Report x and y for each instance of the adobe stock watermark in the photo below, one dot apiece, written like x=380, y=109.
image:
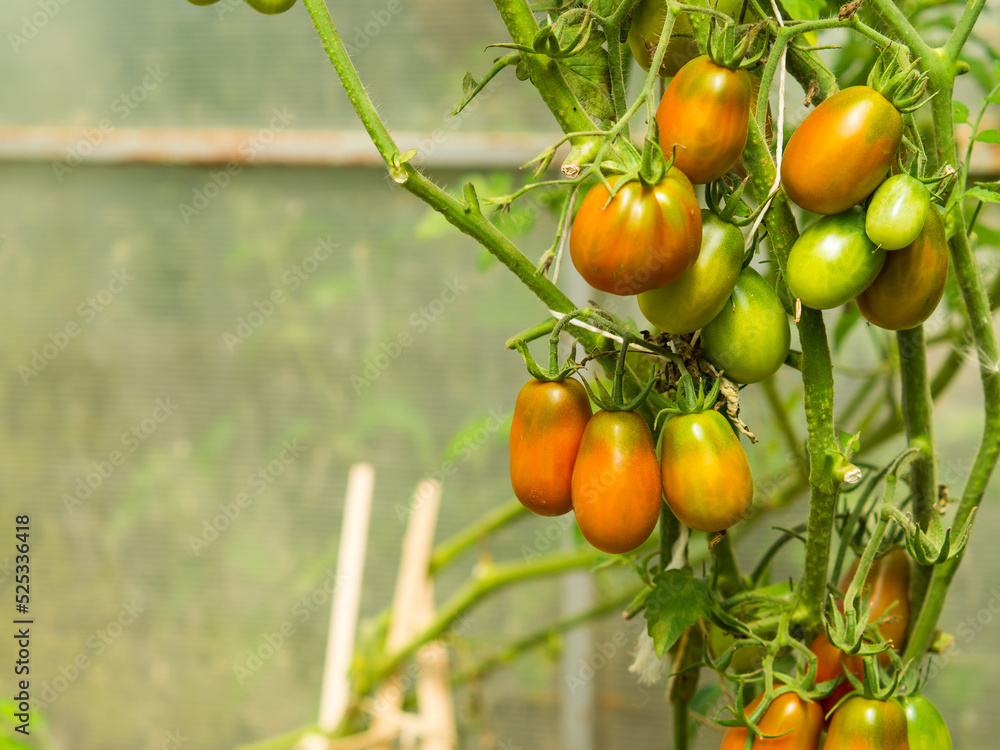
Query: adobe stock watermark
x=301, y=612
x=466, y=448
x=32, y=25
x=292, y=278
x=249, y=148
x=419, y=322
x=258, y=481
x=123, y=106
x=602, y=655
x=87, y=312
x=171, y=740
x=131, y=440
x=96, y=644
x=966, y=632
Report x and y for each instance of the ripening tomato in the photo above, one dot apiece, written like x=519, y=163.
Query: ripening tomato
x=616, y=482
x=749, y=339
x=704, y=112
x=545, y=434
x=841, y=151
x=698, y=296
x=270, y=7
x=926, y=727
x=801, y=719
x=911, y=283
x=862, y=724
x=706, y=474
x=831, y=663
x=897, y=211
x=645, y=238
x=888, y=584
x=833, y=261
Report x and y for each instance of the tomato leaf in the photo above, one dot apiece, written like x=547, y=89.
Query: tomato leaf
x=988, y=136
x=961, y=112
x=676, y=603
x=983, y=194
x=589, y=76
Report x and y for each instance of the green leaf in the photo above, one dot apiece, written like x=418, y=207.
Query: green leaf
x=589, y=76
x=986, y=196
x=803, y=10
x=988, y=136
x=961, y=112
x=996, y=68
x=676, y=603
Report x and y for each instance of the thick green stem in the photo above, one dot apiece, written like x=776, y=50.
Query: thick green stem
x=452, y=547
x=817, y=380
x=918, y=418
x=545, y=74
x=942, y=76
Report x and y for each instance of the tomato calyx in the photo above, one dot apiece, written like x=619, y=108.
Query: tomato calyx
x=688, y=401
x=899, y=82
x=615, y=400
x=726, y=51
x=727, y=202
x=555, y=372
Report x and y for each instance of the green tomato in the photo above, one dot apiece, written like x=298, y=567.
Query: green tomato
x=925, y=725
x=862, y=723
x=833, y=261
x=897, y=212
x=203, y=2
x=270, y=7
x=749, y=339
x=745, y=659
x=698, y=296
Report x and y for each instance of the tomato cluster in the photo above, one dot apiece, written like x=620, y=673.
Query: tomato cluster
x=605, y=468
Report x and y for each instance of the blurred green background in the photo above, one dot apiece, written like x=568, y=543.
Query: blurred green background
x=143, y=385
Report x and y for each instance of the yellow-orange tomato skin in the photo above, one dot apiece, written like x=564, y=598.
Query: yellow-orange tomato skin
x=705, y=472
x=911, y=283
x=643, y=239
x=705, y=112
x=545, y=434
x=616, y=482
x=802, y=720
x=862, y=724
x=841, y=151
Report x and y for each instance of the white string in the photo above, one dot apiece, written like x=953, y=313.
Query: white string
x=606, y=334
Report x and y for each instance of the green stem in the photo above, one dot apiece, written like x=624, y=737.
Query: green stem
x=918, y=418
x=544, y=635
x=727, y=569
x=898, y=22
x=545, y=74
x=792, y=441
x=817, y=380
x=941, y=73
x=680, y=716
x=963, y=28
x=479, y=529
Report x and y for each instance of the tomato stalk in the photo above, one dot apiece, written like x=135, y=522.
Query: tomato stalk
x=918, y=419
x=817, y=380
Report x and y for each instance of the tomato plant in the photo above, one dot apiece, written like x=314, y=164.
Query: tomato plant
x=841, y=151
x=926, y=728
x=833, y=261
x=704, y=114
x=642, y=238
x=862, y=723
x=698, y=296
x=633, y=226
x=910, y=285
x=799, y=722
x=897, y=211
x=545, y=433
x=749, y=339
